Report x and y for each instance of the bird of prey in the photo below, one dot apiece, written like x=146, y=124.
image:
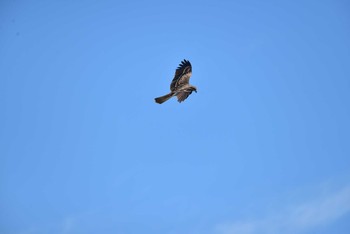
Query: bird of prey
x=180, y=86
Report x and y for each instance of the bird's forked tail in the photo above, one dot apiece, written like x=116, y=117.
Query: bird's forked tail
x=164, y=98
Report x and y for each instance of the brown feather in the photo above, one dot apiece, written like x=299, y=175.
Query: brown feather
x=182, y=75
x=164, y=98
x=180, y=86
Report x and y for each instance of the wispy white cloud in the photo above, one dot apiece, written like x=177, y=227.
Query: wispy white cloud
x=295, y=219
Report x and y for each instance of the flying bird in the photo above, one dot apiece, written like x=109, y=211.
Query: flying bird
x=180, y=86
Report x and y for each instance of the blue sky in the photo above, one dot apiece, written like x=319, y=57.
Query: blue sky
x=263, y=147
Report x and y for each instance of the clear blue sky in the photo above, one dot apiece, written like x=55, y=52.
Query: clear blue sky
x=263, y=147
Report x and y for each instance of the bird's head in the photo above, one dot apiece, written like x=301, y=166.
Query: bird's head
x=194, y=88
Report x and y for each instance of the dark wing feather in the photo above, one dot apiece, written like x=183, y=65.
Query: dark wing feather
x=182, y=75
x=182, y=95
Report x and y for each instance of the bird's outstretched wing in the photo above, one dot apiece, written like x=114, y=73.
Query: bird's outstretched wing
x=183, y=94
x=182, y=75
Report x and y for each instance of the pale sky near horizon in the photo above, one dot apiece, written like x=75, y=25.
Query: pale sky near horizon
x=263, y=147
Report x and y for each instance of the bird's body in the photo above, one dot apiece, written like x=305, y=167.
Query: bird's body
x=180, y=86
